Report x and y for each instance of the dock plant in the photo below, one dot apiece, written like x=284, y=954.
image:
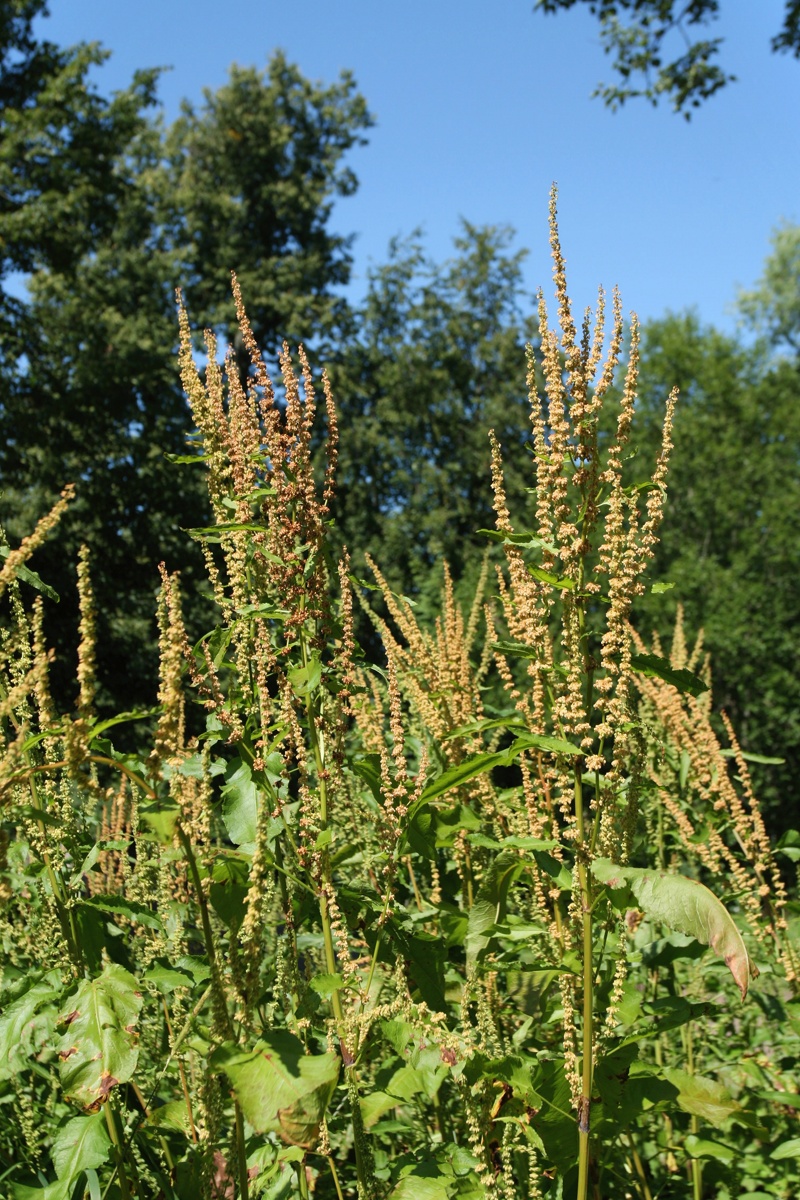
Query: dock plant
x=479, y=919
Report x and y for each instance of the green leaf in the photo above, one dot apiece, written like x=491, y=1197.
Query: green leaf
x=166, y=979
x=789, y=844
x=790, y=1149
x=186, y=458
x=172, y=1115
x=490, y=903
x=661, y=586
x=543, y=741
x=515, y=649
x=697, y=1147
x=512, y=721
x=702, y=1097
x=326, y=985
x=375, y=1105
x=305, y=680
x=240, y=803
x=30, y=1013
x=686, y=906
x=563, y=582
x=518, y=539
x=454, y=777
x=754, y=758
x=653, y=666
x=99, y=1050
x=419, y=1187
x=30, y=577
x=81, y=1144
x=120, y=907
x=281, y=1089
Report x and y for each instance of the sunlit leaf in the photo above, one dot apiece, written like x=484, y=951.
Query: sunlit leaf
x=686, y=906
x=281, y=1089
x=99, y=1049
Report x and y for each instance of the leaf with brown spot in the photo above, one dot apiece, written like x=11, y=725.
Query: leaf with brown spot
x=99, y=1050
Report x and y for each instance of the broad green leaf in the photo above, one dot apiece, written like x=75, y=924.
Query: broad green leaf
x=172, y=1115
x=686, y=906
x=790, y=1149
x=305, y=680
x=419, y=1187
x=375, y=1105
x=240, y=804
x=697, y=1147
x=326, y=985
x=281, y=1089
x=702, y=1097
x=789, y=844
x=661, y=586
x=83, y=1143
x=30, y=577
x=99, y=1050
x=518, y=539
x=140, y=914
x=166, y=979
x=28, y=1014
x=653, y=666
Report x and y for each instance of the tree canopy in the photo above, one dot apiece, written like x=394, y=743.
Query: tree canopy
x=105, y=211
x=641, y=35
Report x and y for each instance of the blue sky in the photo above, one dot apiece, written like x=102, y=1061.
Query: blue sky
x=481, y=104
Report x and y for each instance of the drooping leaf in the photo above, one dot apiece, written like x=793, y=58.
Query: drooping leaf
x=684, y=680
x=765, y=759
x=99, y=1049
x=687, y=907
x=419, y=1187
x=281, y=1089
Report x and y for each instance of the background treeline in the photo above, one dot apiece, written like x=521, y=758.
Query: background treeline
x=105, y=208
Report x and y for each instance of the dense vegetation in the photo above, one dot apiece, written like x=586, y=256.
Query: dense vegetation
x=426, y=834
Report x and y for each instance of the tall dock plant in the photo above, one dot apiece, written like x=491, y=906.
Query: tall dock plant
x=384, y=931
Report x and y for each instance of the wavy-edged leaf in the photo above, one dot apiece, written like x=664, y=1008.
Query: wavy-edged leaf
x=281, y=1089
x=80, y=1145
x=99, y=1049
x=655, y=667
x=686, y=906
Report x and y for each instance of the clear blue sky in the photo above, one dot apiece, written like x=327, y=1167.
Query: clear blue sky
x=480, y=104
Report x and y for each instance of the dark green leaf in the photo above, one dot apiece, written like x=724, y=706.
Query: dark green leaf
x=659, y=668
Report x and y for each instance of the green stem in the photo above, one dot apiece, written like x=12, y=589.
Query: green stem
x=585, y=1102
x=241, y=1153
x=113, y=1132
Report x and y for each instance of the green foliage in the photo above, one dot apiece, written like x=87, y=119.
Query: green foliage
x=637, y=33
x=438, y=361
x=729, y=543
x=104, y=209
x=353, y=930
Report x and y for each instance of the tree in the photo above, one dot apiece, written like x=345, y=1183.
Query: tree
x=773, y=306
x=438, y=361
x=729, y=538
x=106, y=213
x=638, y=43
